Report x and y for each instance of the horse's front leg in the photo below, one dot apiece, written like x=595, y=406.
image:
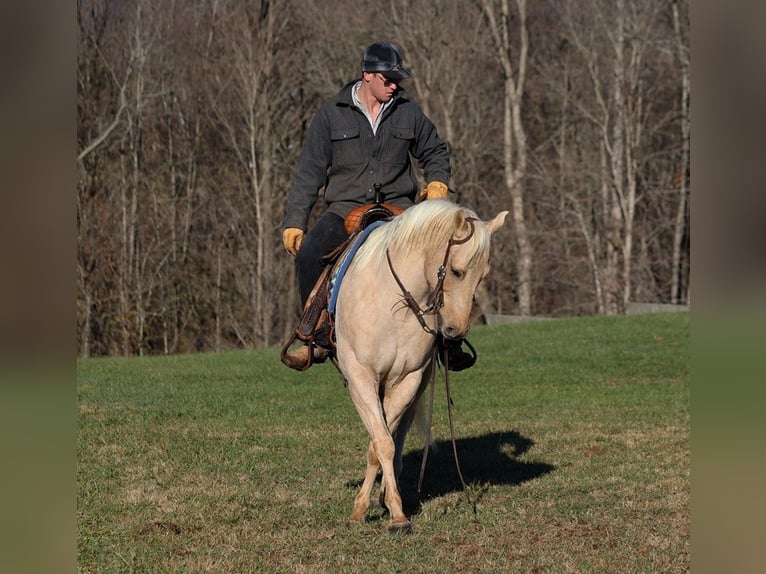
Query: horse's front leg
x=399, y=406
x=392, y=499
x=367, y=403
x=399, y=435
x=404, y=422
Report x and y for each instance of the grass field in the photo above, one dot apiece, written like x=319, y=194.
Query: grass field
x=573, y=435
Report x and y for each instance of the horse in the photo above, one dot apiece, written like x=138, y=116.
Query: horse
x=413, y=279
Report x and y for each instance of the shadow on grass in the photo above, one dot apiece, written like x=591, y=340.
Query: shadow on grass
x=490, y=459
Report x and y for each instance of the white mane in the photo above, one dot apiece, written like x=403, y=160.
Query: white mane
x=428, y=223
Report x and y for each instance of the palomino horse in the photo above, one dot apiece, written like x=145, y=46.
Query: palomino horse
x=413, y=278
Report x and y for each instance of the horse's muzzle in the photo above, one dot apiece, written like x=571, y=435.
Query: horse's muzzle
x=454, y=333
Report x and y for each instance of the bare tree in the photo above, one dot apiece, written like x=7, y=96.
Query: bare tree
x=612, y=47
x=191, y=117
x=681, y=213
x=450, y=65
x=500, y=21
x=251, y=102
x=182, y=129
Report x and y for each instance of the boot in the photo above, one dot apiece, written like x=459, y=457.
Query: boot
x=300, y=358
x=457, y=358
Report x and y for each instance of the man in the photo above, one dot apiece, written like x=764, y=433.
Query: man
x=366, y=135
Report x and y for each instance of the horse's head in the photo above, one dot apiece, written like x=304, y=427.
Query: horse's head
x=436, y=252
x=467, y=263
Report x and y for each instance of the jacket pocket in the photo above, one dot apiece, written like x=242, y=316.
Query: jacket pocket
x=346, y=149
x=397, y=146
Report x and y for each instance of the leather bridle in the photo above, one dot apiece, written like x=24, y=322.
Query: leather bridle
x=435, y=300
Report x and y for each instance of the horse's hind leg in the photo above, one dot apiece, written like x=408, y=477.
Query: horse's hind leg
x=362, y=500
x=402, y=428
x=400, y=435
x=390, y=497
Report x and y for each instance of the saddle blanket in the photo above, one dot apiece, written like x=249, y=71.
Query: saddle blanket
x=340, y=271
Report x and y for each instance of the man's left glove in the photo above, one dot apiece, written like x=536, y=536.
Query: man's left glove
x=435, y=190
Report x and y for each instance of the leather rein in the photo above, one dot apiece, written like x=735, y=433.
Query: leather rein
x=435, y=302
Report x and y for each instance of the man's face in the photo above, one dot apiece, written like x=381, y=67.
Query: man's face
x=383, y=88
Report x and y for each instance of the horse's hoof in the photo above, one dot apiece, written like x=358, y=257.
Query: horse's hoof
x=401, y=527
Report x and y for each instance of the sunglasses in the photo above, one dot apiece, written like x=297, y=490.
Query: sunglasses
x=387, y=81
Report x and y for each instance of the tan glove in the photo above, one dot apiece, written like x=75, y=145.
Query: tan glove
x=292, y=237
x=435, y=190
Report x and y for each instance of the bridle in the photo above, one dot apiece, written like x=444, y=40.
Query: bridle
x=435, y=300
x=434, y=303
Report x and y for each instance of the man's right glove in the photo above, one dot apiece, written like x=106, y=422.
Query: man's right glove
x=435, y=190
x=292, y=237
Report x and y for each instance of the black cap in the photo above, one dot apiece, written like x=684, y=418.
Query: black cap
x=385, y=58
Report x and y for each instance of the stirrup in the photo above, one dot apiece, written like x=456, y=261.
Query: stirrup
x=453, y=357
x=315, y=329
x=301, y=358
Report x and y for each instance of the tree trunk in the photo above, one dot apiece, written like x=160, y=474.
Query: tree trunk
x=514, y=137
x=680, y=220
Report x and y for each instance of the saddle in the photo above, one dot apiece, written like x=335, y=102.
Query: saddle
x=316, y=327
x=361, y=217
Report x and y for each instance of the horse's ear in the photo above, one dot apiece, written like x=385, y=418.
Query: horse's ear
x=462, y=226
x=496, y=223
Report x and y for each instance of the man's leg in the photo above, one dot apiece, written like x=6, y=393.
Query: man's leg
x=325, y=236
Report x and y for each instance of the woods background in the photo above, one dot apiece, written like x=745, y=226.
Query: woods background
x=574, y=115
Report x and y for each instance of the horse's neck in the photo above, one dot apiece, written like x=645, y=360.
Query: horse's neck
x=416, y=272
x=374, y=324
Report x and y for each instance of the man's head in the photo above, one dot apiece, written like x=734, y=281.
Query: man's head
x=385, y=59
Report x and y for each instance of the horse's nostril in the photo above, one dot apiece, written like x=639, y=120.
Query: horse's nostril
x=451, y=333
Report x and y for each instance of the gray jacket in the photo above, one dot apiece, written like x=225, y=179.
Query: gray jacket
x=342, y=155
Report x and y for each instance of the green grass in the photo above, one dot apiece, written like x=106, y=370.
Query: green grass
x=573, y=436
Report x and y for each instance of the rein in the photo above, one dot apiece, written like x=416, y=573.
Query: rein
x=427, y=446
x=435, y=302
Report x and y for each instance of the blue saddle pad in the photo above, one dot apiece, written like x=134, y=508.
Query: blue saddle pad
x=337, y=276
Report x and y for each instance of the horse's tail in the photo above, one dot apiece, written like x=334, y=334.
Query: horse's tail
x=423, y=416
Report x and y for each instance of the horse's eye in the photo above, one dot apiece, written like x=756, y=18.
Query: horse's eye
x=456, y=273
